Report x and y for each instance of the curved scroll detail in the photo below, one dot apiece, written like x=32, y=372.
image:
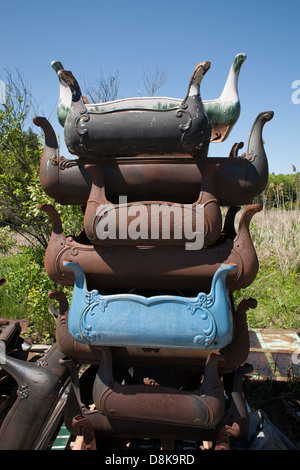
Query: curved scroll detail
x=222, y=112
x=234, y=354
x=203, y=407
x=133, y=320
x=79, y=124
x=40, y=386
x=135, y=129
x=237, y=182
x=184, y=127
x=171, y=268
x=160, y=222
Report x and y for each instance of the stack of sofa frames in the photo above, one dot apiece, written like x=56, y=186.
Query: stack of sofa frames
x=158, y=259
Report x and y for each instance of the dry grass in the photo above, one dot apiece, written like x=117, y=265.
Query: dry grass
x=276, y=236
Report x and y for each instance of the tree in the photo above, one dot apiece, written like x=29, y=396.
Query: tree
x=106, y=89
x=20, y=153
x=19, y=160
x=103, y=89
x=153, y=81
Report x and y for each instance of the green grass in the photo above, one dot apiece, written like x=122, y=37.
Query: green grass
x=25, y=293
x=277, y=296
x=276, y=237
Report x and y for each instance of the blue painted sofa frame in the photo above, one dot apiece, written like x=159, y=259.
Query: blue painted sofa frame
x=164, y=321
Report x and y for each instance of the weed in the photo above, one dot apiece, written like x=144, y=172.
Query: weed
x=276, y=237
x=25, y=294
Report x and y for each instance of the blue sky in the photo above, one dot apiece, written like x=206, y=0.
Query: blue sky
x=129, y=36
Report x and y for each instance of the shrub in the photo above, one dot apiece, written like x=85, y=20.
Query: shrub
x=275, y=234
x=25, y=294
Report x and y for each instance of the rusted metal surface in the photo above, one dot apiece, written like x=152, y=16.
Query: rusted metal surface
x=274, y=353
x=277, y=340
x=149, y=370
x=231, y=424
x=236, y=353
x=40, y=385
x=203, y=408
x=30, y=388
x=151, y=214
x=9, y=332
x=237, y=182
x=203, y=411
x=236, y=417
x=229, y=430
x=83, y=427
x=158, y=267
x=88, y=422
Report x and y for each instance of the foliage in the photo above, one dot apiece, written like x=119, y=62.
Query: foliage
x=275, y=234
x=20, y=190
x=277, y=298
x=282, y=191
x=6, y=240
x=19, y=162
x=25, y=293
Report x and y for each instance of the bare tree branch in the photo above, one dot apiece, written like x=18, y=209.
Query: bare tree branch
x=106, y=89
x=103, y=89
x=153, y=81
x=19, y=95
